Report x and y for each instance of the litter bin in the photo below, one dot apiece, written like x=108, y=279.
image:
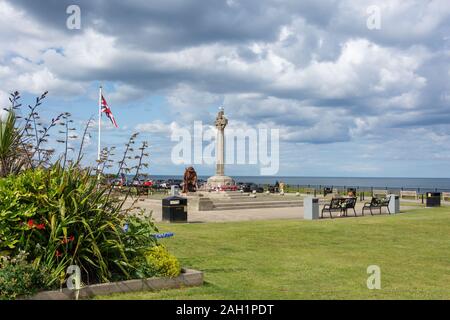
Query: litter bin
x=394, y=203
x=311, y=208
x=174, y=209
x=433, y=199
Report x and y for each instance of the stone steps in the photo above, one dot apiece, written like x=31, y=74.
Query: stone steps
x=227, y=195
x=232, y=200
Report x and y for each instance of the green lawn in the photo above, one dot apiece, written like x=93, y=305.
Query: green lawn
x=326, y=259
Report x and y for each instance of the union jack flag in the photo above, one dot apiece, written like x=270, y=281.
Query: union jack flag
x=108, y=112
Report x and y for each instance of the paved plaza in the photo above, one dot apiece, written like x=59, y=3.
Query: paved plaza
x=247, y=214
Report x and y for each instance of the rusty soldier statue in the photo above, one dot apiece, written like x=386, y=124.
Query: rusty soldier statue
x=190, y=180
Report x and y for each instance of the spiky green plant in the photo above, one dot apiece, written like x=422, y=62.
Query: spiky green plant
x=12, y=155
x=60, y=213
x=60, y=216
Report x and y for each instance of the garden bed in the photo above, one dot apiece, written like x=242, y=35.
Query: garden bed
x=187, y=278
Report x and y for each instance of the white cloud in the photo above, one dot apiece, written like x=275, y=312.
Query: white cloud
x=312, y=69
x=157, y=127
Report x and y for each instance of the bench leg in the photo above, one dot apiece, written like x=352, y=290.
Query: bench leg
x=331, y=216
x=354, y=211
x=371, y=213
x=389, y=211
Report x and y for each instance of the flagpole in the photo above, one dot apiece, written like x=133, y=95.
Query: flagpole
x=99, y=127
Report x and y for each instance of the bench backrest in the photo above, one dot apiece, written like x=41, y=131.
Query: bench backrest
x=384, y=201
x=335, y=203
x=408, y=193
x=380, y=193
x=350, y=203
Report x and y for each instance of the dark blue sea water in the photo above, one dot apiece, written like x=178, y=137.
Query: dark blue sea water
x=441, y=184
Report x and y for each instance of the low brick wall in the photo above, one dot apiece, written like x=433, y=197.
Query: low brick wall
x=187, y=278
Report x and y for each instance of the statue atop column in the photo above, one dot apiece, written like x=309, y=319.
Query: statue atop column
x=220, y=179
x=221, y=120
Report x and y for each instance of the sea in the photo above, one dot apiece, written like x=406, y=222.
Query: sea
x=421, y=184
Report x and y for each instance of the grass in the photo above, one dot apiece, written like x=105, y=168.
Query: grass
x=326, y=259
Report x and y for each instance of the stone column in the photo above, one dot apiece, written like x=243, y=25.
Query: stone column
x=220, y=154
x=220, y=179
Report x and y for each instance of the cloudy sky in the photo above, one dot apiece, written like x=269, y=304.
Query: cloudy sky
x=348, y=100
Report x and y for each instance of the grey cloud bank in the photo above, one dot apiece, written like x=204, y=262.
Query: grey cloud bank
x=311, y=68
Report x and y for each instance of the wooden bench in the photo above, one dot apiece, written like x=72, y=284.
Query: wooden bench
x=408, y=193
x=350, y=203
x=334, y=205
x=380, y=193
x=333, y=193
x=445, y=195
x=341, y=205
x=376, y=203
x=327, y=191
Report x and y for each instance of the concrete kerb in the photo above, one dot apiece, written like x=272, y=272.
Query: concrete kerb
x=187, y=278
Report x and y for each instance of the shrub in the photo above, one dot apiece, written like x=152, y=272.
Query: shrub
x=61, y=214
x=156, y=262
x=20, y=278
x=63, y=217
x=161, y=262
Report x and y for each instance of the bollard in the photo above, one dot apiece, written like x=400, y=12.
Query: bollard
x=311, y=208
x=174, y=191
x=394, y=204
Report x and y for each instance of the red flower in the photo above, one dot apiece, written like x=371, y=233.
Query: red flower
x=58, y=254
x=30, y=223
x=40, y=226
x=67, y=240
